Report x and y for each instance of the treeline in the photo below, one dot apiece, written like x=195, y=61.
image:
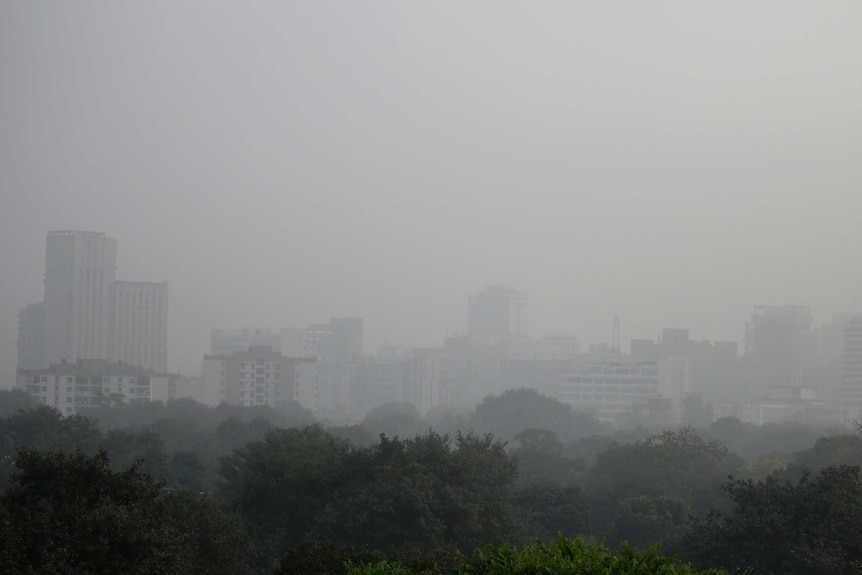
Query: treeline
x=234, y=490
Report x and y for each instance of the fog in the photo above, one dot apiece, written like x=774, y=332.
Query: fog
x=669, y=163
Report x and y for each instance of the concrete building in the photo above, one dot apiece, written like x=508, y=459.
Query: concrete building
x=339, y=341
x=31, y=337
x=832, y=356
x=229, y=341
x=80, y=269
x=422, y=378
x=610, y=390
x=852, y=362
x=141, y=324
x=257, y=376
x=497, y=312
x=87, y=314
x=398, y=375
x=780, y=350
x=674, y=383
x=86, y=384
x=555, y=347
x=712, y=369
x=378, y=383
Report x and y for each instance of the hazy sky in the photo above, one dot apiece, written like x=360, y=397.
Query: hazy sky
x=672, y=163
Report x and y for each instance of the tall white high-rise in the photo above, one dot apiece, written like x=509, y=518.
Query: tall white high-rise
x=80, y=270
x=88, y=315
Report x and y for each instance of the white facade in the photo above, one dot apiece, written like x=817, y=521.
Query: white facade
x=74, y=388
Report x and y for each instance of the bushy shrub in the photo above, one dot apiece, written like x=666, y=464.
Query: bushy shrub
x=562, y=557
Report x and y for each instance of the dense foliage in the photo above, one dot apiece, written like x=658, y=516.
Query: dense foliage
x=178, y=487
x=562, y=557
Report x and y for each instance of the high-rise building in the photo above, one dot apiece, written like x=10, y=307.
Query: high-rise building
x=228, y=341
x=80, y=269
x=780, y=349
x=141, y=325
x=852, y=378
x=339, y=341
x=31, y=337
x=497, y=312
x=87, y=314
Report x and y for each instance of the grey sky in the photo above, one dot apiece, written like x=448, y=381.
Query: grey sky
x=673, y=163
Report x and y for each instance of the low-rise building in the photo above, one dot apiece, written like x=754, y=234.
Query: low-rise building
x=258, y=376
x=73, y=388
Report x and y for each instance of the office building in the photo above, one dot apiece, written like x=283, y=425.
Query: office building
x=610, y=390
x=339, y=341
x=80, y=270
x=31, y=337
x=852, y=361
x=141, y=324
x=87, y=314
x=780, y=350
x=228, y=341
x=497, y=312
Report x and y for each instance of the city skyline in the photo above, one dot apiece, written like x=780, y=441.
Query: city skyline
x=182, y=359
x=287, y=164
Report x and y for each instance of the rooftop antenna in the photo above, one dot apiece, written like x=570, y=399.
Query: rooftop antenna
x=615, y=342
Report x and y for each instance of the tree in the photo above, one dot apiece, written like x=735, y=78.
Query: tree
x=71, y=513
x=550, y=510
x=543, y=460
x=513, y=411
x=44, y=427
x=428, y=492
x=811, y=526
x=679, y=464
x=14, y=400
x=283, y=482
x=644, y=521
x=831, y=451
x=696, y=412
x=208, y=539
x=400, y=419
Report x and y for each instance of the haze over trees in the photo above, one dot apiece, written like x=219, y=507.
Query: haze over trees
x=230, y=490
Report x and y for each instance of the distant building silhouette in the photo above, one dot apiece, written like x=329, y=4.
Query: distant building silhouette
x=87, y=314
x=497, y=312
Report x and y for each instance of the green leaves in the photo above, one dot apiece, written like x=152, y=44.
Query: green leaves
x=428, y=492
x=71, y=513
x=811, y=526
x=572, y=557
